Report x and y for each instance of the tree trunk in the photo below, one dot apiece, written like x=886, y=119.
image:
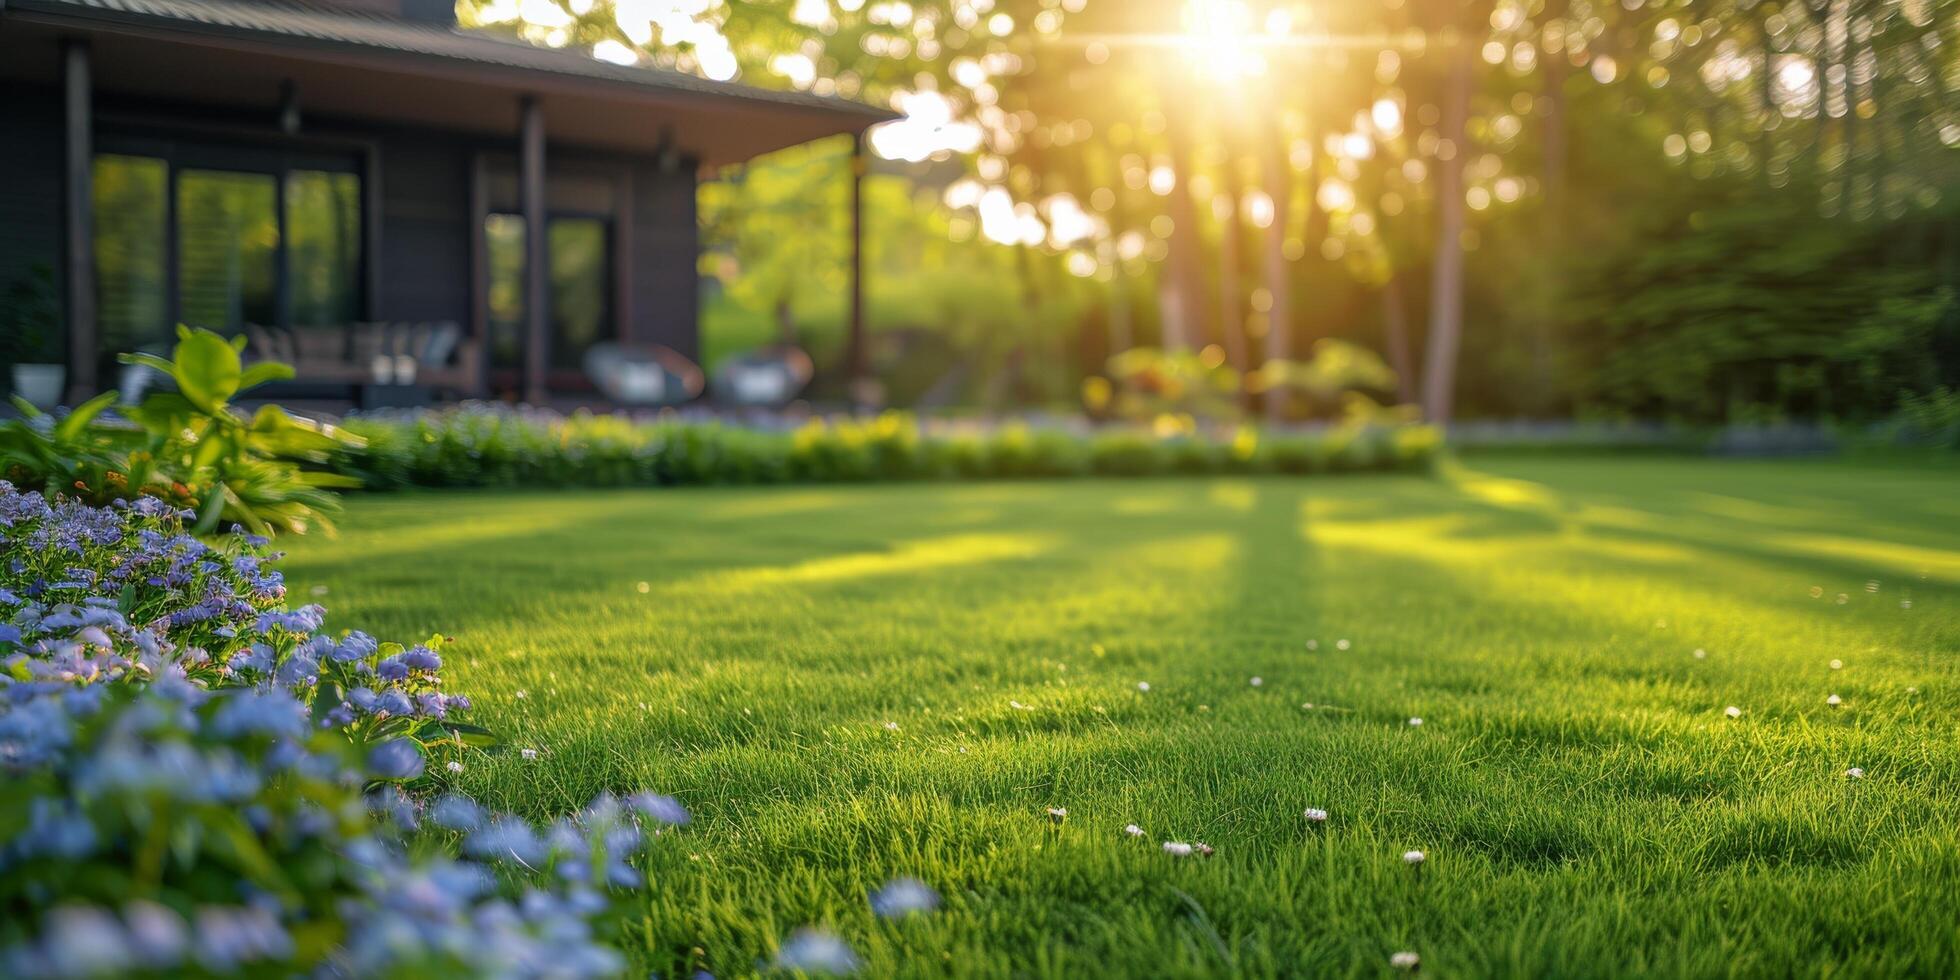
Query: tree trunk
x=1231, y=286
x=1395, y=328
x=1546, y=325
x=1446, y=287
x=1279, y=281
x=1186, y=272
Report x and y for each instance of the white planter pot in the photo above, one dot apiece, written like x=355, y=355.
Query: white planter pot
x=40, y=384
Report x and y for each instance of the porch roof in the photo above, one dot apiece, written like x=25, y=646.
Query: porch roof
x=388, y=68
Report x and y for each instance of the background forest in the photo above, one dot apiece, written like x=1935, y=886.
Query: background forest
x=1697, y=211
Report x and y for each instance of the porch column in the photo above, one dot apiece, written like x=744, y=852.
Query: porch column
x=77, y=197
x=537, y=302
x=859, y=380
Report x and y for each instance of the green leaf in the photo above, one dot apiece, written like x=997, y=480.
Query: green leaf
x=212, y=509
x=149, y=361
x=263, y=372
x=207, y=370
x=474, y=736
x=71, y=427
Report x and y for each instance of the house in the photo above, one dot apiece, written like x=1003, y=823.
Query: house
x=310, y=170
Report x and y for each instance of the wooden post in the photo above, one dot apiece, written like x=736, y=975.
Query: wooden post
x=78, y=193
x=860, y=379
x=537, y=301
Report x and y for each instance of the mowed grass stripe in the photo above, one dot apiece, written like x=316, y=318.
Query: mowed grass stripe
x=1586, y=806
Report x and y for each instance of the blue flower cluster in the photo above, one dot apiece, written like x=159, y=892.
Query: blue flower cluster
x=200, y=780
x=120, y=593
x=170, y=828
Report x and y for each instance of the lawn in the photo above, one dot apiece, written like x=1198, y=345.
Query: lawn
x=852, y=683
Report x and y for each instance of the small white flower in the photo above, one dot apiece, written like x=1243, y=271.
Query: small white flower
x=1057, y=814
x=1837, y=664
x=528, y=753
x=644, y=588
x=1018, y=706
x=1316, y=815
x=1405, y=960
x=816, y=951
x=454, y=766
x=1701, y=654
x=1177, y=848
x=904, y=896
x=521, y=695
x=1414, y=857
x=1133, y=830
x=1340, y=644
x=1834, y=700
x=1732, y=711
x=1256, y=681
x=1415, y=723
x=1143, y=686
x=891, y=726
x=1854, y=773
x=1313, y=644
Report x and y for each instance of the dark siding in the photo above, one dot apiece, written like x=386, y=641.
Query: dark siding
x=425, y=231
x=666, y=287
x=30, y=185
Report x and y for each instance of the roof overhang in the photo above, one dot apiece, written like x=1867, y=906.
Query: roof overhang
x=231, y=54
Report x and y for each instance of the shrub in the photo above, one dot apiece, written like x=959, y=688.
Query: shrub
x=484, y=446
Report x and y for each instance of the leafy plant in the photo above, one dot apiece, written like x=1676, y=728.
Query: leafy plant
x=188, y=446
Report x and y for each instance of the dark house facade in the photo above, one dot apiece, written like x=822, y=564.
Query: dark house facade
x=346, y=179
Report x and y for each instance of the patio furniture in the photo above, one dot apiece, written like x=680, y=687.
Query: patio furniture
x=380, y=363
x=769, y=377
x=642, y=374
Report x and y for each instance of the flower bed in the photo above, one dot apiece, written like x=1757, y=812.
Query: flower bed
x=485, y=446
x=201, y=780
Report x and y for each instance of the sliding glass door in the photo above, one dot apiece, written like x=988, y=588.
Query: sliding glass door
x=578, y=263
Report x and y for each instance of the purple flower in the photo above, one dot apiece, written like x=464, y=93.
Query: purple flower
x=421, y=658
x=396, y=759
x=665, y=809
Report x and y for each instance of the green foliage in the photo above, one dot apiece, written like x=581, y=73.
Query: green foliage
x=189, y=446
x=1931, y=419
x=479, y=447
x=1756, y=311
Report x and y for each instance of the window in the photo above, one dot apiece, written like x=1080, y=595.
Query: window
x=579, y=260
x=581, y=279
x=221, y=238
x=323, y=247
x=131, y=264
x=504, y=242
x=227, y=249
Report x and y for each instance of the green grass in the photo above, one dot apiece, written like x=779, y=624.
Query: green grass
x=1586, y=806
